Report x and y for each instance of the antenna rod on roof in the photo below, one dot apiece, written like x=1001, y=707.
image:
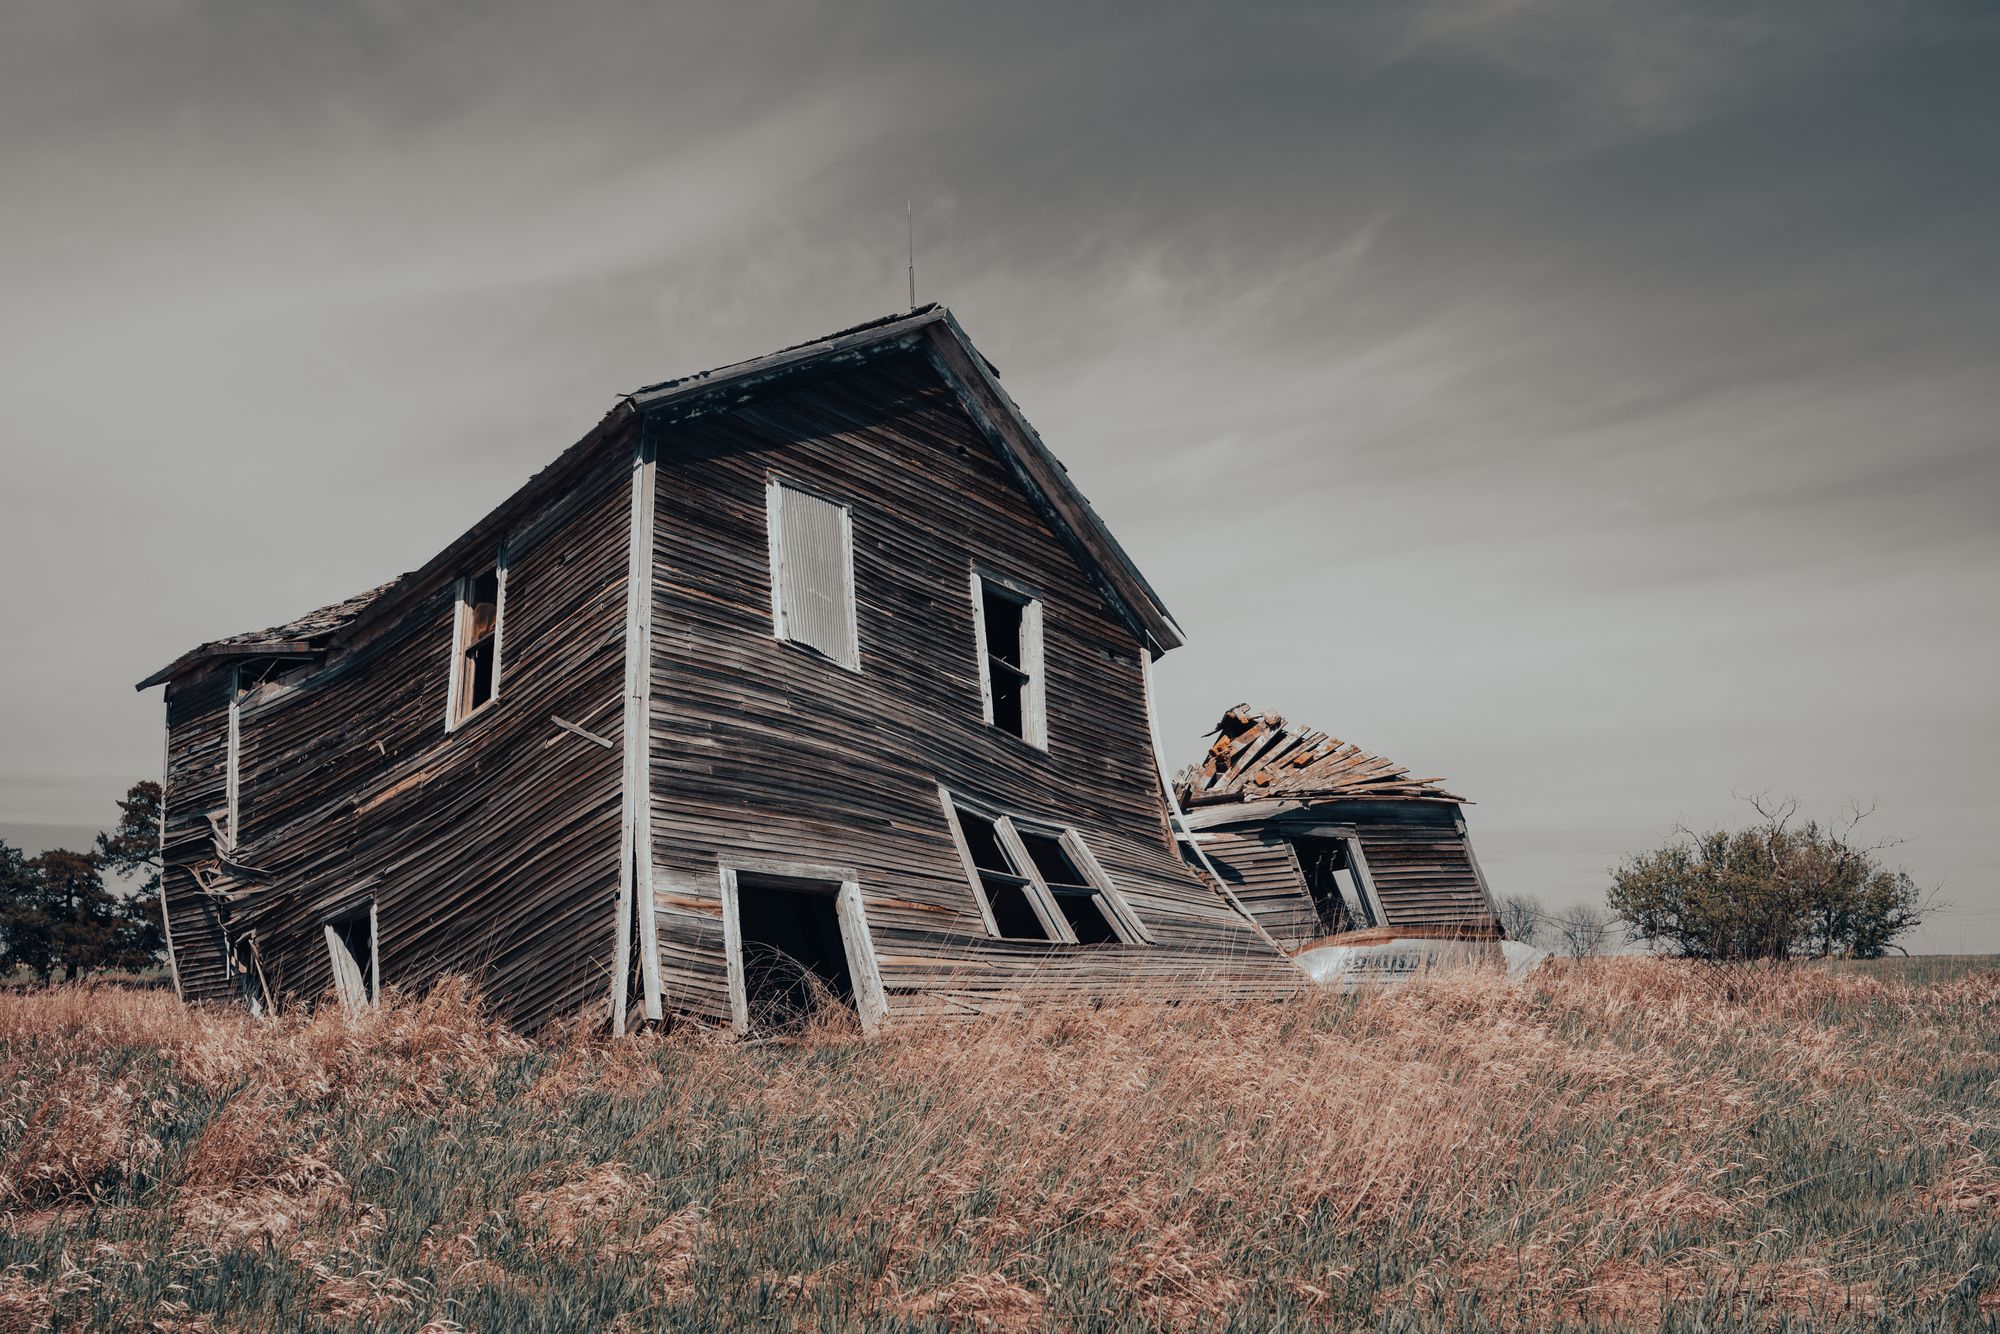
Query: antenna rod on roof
x=910, y=219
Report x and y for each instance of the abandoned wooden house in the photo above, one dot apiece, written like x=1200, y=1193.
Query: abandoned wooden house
x=819, y=657
x=1326, y=845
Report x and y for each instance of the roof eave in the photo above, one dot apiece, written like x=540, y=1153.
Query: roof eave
x=218, y=652
x=978, y=384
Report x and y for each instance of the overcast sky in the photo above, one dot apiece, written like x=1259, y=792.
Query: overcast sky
x=1592, y=402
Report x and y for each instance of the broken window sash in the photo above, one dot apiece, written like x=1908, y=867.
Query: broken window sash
x=1009, y=896
x=1037, y=882
x=1332, y=880
x=1096, y=912
x=1008, y=623
x=476, y=638
x=812, y=573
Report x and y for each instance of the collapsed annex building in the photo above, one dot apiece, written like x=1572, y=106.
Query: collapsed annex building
x=1330, y=848
x=811, y=670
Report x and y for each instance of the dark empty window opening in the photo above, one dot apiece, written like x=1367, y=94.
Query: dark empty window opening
x=248, y=969
x=1006, y=674
x=350, y=945
x=1338, y=902
x=1079, y=901
x=478, y=663
x=1006, y=889
x=794, y=960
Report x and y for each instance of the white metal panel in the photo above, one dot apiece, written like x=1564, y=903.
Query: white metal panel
x=812, y=550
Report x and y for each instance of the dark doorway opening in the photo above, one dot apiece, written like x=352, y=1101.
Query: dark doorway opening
x=794, y=959
x=1331, y=880
x=350, y=946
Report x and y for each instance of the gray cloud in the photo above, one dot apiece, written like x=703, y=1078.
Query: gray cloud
x=1592, y=403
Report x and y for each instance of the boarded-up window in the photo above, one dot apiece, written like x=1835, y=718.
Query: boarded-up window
x=812, y=573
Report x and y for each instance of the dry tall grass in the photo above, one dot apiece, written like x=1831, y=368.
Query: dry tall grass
x=1608, y=1144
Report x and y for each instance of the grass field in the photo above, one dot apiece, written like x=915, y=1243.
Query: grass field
x=1611, y=1144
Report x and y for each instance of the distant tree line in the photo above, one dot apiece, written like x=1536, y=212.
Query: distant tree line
x=60, y=919
x=1781, y=888
x=1577, y=931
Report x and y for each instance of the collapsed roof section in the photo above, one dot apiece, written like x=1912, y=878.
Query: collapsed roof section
x=310, y=633
x=929, y=331
x=1260, y=756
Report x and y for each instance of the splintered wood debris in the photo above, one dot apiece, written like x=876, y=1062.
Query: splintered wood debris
x=1257, y=756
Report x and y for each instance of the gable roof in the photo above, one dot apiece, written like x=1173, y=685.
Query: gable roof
x=1260, y=756
x=936, y=334
x=930, y=331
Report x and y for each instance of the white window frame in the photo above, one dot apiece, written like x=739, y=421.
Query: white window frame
x=1125, y=923
x=233, y=779
x=774, y=489
x=1357, y=861
x=871, y=1001
x=461, y=618
x=1034, y=691
x=275, y=669
x=357, y=990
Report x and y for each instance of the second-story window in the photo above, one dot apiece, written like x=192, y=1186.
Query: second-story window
x=1008, y=620
x=812, y=573
x=475, y=659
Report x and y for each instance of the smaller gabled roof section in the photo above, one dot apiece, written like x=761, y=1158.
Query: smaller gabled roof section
x=1260, y=756
x=307, y=634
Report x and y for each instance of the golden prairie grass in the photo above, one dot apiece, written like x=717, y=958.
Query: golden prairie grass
x=1612, y=1144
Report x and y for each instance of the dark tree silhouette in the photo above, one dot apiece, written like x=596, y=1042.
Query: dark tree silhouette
x=57, y=914
x=26, y=939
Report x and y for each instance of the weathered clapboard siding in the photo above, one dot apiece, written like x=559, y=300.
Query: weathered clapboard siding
x=495, y=848
x=196, y=787
x=1422, y=870
x=491, y=849
x=764, y=751
x=1260, y=866
x=1419, y=861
